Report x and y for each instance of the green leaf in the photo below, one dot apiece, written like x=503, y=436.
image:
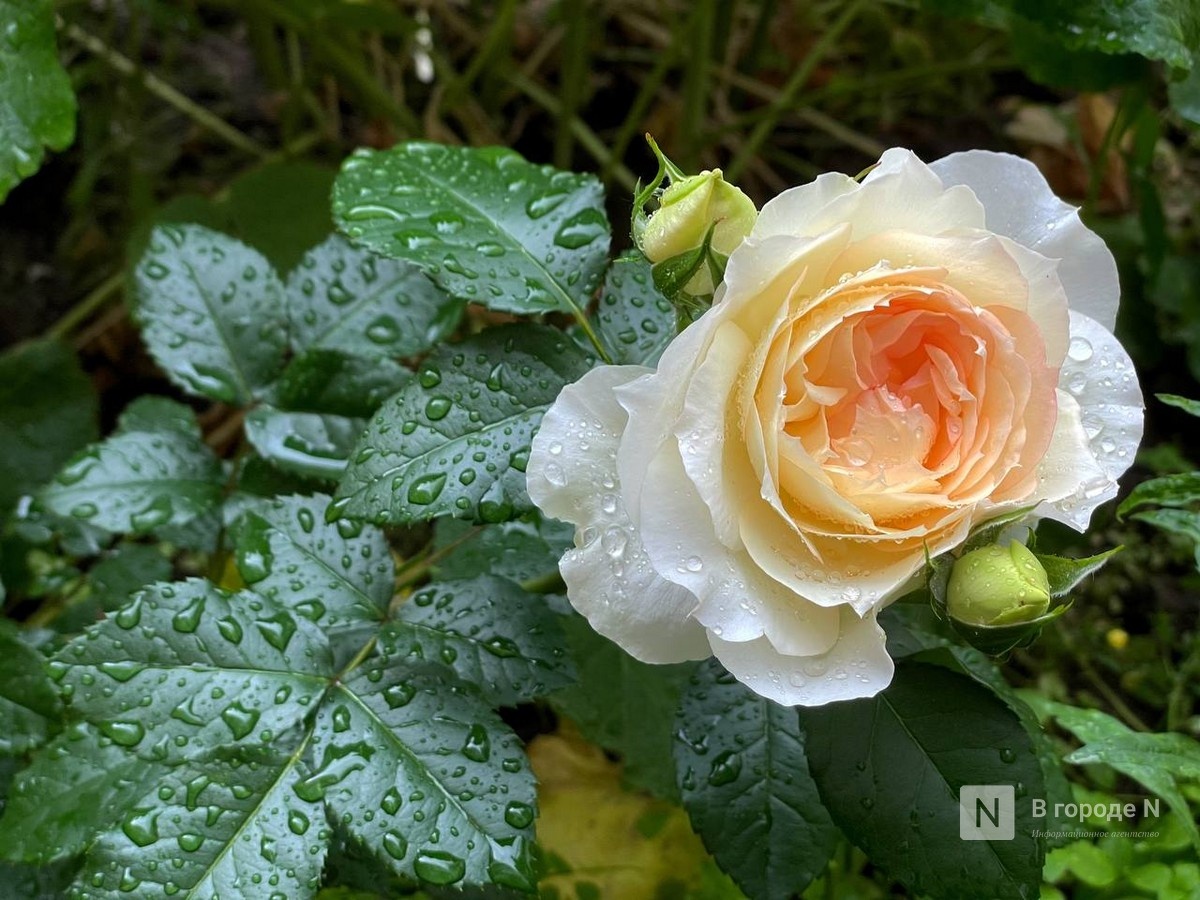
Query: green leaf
x=1167, y=30
x=485, y=224
x=29, y=704
x=456, y=440
x=187, y=667
x=127, y=569
x=328, y=381
x=137, y=482
x=1191, y=407
x=229, y=825
x=1065, y=574
x=1161, y=763
x=347, y=299
x=634, y=319
x=624, y=705
x=281, y=209
x=420, y=767
x=76, y=786
x=1182, y=489
x=1182, y=522
x=744, y=779
x=490, y=632
x=37, y=105
x=338, y=575
x=312, y=445
x=211, y=311
x=150, y=414
x=47, y=412
x=524, y=550
x=913, y=631
x=890, y=769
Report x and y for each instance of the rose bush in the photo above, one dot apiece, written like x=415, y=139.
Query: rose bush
x=887, y=364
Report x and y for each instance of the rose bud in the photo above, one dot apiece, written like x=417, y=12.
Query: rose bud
x=995, y=586
x=688, y=208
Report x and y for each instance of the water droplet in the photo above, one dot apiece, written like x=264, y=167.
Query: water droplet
x=726, y=767
x=341, y=718
x=502, y=647
x=240, y=720
x=1008, y=755
x=478, y=746
x=581, y=229
x=1079, y=349
x=395, y=845
x=518, y=815
x=122, y=670
x=399, y=695
x=187, y=620
x=129, y=616
x=84, y=510
x=230, y=629
x=297, y=822
x=427, y=488
x=391, y=802
x=554, y=474
x=437, y=408
x=190, y=842
x=141, y=826
x=157, y=512
x=384, y=330
x=438, y=867
x=124, y=734
x=277, y=630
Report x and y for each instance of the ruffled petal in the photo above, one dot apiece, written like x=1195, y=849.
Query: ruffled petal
x=857, y=665
x=572, y=475
x=1020, y=205
x=737, y=600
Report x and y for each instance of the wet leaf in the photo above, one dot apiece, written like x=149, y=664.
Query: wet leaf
x=137, y=482
x=211, y=311
x=223, y=825
x=890, y=769
x=346, y=299
x=624, y=705
x=338, y=575
x=186, y=667
x=490, y=632
x=328, y=381
x=634, y=319
x=527, y=549
x=744, y=778
x=312, y=445
x=29, y=705
x=37, y=105
x=484, y=224
x=76, y=786
x=420, y=767
x=47, y=412
x=456, y=440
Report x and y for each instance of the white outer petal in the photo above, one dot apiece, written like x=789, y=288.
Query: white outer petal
x=857, y=665
x=1099, y=374
x=1099, y=427
x=738, y=600
x=608, y=575
x=1019, y=204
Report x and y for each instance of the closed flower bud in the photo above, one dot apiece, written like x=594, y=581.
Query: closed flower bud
x=687, y=209
x=995, y=586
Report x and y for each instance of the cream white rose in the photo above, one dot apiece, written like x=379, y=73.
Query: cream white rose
x=887, y=364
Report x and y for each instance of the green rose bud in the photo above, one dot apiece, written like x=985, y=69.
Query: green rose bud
x=996, y=586
x=687, y=209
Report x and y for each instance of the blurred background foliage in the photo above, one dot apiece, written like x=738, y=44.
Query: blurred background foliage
x=236, y=113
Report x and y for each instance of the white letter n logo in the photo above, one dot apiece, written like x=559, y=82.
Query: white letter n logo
x=986, y=812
